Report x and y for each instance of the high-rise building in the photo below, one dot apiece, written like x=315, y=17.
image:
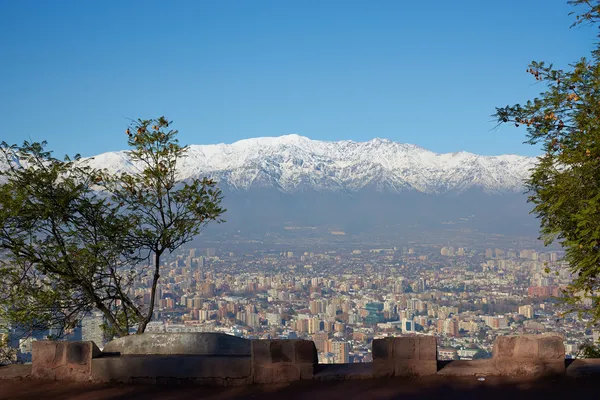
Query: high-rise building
x=340, y=351
x=274, y=319
x=91, y=328
x=314, y=325
x=320, y=339
x=447, y=327
x=526, y=311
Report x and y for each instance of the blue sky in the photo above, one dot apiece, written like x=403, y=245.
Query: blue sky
x=423, y=72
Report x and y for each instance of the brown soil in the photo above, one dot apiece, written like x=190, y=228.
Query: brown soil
x=392, y=388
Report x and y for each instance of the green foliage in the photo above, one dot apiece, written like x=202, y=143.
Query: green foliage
x=166, y=213
x=71, y=236
x=564, y=186
x=61, y=242
x=8, y=355
x=481, y=354
x=589, y=350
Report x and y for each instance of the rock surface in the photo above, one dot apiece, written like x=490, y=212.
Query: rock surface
x=206, y=343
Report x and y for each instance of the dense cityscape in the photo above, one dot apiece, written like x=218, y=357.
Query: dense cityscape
x=342, y=300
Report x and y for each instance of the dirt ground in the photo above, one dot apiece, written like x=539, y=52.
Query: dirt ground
x=391, y=388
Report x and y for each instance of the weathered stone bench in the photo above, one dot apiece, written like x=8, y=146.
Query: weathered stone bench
x=194, y=358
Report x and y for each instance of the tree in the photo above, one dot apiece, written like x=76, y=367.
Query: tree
x=61, y=244
x=72, y=237
x=481, y=354
x=564, y=186
x=166, y=213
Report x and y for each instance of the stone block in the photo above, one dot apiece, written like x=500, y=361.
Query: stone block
x=383, y=368
x=63, y=360
x=382, y=349
x=403, y=367
x=81, y=352
x=525, y=347
x=542, y=347
x=284, y=373
x=427, y=348
x=551, y=348
x=504, y=346
x=263, y=374
x=261, y=351
x=44, y=352
x=282, y=351
x=307, y=370
x=555, y=367
x=306, y=352
x=123, y=368
x=516, y=367
x=406, y=348
x=186, y=343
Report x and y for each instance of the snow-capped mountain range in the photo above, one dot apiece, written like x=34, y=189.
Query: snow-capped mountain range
x=294, y=163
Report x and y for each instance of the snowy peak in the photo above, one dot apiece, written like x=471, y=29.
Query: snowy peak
x=293, y=163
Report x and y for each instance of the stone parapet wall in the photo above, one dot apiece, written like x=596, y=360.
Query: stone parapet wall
x=63, y=360
x=198, y=370
x=186, y=343
x=283, y=360
x=405, y=356
x=529, y=355
x=218, y=359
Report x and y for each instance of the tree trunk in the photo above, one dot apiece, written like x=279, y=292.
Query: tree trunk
x=144, y=322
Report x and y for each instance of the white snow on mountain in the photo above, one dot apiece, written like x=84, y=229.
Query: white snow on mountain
x=294, y=163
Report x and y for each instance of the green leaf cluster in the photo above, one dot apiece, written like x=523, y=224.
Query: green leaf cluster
x=564, y=186
x=72, y=237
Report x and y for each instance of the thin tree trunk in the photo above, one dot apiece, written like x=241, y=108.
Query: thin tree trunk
x=144, y=322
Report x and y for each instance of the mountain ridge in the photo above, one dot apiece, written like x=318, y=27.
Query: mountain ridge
x=292, y=163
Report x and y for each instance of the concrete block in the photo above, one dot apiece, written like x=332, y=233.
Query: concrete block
x=263, y=374
x=382, y=349
x=555, y=367
x=187, y=343
x=504, y=346
x=406, y=348
x=44, y=352
x=63, y=360
x=525, y=347
x=516, y=367
x=427, y=348
x=282, y=351
x=551, y=348
x=584, y=368
x=484, y=367
x=286, y=373
x=261, y=351
x=125, y=368
x=533, y=355
x=306, y=352
x=383, y=368
x=403, y=367
x=307, y=370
